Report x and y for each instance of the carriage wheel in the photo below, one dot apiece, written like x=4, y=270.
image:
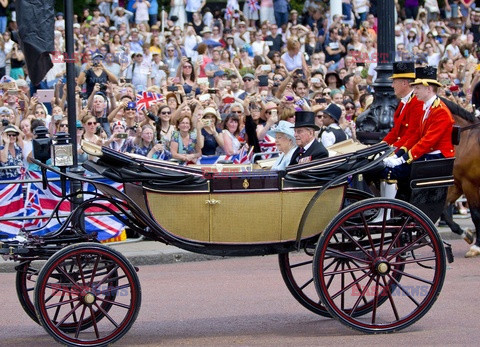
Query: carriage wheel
x=87, y=295
x=296, y=267
x=25, y=280
x=399, y=262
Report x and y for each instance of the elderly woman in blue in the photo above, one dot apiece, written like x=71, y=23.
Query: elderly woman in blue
x=285, y=140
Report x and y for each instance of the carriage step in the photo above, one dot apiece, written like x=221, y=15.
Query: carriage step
x=449, y=252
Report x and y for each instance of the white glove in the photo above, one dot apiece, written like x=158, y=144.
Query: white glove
x=391, y=162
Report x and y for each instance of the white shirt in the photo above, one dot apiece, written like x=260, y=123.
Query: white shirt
x=328, y=138
x=426, y=107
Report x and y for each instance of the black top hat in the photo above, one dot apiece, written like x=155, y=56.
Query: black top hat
x=305, y=119
x=333, y=111
x=426, y=75
x=403, y=69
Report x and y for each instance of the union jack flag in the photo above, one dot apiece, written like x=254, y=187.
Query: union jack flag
x=243, y=157
x=146, y=99
x=11, y=205
x=229, y=13
x=253, y=5
x=268, y=145
x=42, y=202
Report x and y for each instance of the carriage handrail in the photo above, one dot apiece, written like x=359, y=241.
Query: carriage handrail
x=338, y=180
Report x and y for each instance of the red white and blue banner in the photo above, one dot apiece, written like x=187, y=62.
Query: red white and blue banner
x=147, y=99
x=11, y=205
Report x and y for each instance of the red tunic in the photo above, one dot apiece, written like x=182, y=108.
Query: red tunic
x=406, y=124
x=436, y=133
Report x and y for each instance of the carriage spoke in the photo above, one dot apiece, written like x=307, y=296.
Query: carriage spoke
x=390, y=299
x=395, y=239
x=367, y=231
x=94, y=270
x=113, y=289
x=107, y=315
x=301, y=264
x=347, y=234
x=67, y=275
x=413, y=277
x=94, y=322
x=375, y=298
x=67, y=315
x=345, y=288
x=406, y=248
x=355, y=278
x=79, y=325
x=403, y=290
x=362, y=294
x=347, y=256
x=116, y=303
x=343, y=271
x=415, y=260
x=332, y=277
x=107, y=276
x=80, y=270
x=61, y=303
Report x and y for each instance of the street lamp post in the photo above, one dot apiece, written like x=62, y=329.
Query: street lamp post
x=374, y=124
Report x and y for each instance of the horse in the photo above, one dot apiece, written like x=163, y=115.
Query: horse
x=466, y=174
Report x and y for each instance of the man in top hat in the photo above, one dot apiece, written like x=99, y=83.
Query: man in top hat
x=308, y=147
x=332, y=133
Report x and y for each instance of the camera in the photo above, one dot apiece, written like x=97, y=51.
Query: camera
x=172, y=88
x=41, y=144
x=153, y=117
x=5, y=122
x=103, y=87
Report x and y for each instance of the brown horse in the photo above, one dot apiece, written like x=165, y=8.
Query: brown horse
x=466, y=173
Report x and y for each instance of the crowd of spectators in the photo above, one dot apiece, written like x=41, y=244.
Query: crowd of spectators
x=224, y=79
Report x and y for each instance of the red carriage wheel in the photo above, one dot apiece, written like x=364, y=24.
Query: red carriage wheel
x=393, y=270
x=87, y=295
x=25, y=280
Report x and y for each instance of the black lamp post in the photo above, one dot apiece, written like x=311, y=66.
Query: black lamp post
x=374, y=124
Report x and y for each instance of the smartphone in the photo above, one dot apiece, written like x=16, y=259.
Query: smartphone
x=266, y=68
x=58, y=117
x=212, y=90
x=273, y=113
x=202, y=80
x=263, y=81
x=228, y=100
x=204, y=97
x=21, y=104
x=121, y=135
x=225, y=83
x=315, y=80
x=12, y=92
x=172, y=88
x=321, y=100
x=207, y=122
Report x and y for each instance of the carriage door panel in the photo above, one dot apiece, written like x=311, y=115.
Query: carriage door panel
x=186, y=215
x=246, y=217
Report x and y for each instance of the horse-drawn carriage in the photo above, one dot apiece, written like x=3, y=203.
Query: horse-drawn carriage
x=336, y=261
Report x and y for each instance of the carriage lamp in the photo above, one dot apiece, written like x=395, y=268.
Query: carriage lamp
x=41, y=144
x=62, y=150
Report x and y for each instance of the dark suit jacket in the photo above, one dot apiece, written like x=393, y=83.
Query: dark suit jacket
x=316, y=151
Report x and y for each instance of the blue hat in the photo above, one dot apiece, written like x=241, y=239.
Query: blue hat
x=79, y=124
x=131, y=104
x=219, y=73
x=283, y=127
x=333, y=111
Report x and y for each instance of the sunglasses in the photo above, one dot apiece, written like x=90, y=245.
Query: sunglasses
x=325, y=93
x=268, y=112
x=12, y=135
x=63, y=125
x=187, y=67
x=167, y=112
x=247, y=80
x=91, y=123
x=129, y=109
x=349, y=108
x=239, y=112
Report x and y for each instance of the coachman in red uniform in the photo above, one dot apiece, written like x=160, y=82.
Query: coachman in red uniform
x=407, y=118
x=435, y=130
